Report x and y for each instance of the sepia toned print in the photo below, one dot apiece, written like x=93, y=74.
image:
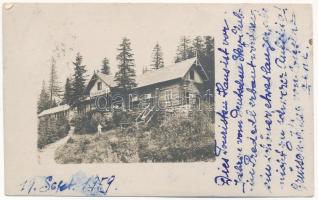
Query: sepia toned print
x=162, y=100
x=163, y=114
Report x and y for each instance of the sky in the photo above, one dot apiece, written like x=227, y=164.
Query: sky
x=43, y=31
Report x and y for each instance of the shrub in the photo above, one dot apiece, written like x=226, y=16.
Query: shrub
x=156, y=121
x=70, y=140
x=120, y=116
x=79, y=121
x=126, y=149
x=83, y=123
x=83, y=145
x=98, y=148
x=87, y=123
x=180, y=154
x=180, y=138
x=101, y=118
x=91, y=123
x=51, y=130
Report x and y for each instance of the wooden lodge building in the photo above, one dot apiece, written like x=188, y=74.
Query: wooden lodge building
x=56, y=112
x=177, y=87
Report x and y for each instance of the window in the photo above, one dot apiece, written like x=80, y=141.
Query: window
x=134, y=97
x=187, y=95
x=197, y=100
x=99, y=85
x=168, y=96
x=192, y=74
x=148, y=96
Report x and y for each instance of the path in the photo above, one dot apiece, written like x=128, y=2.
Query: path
x=46, y=155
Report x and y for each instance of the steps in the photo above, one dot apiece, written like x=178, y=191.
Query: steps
x=146, y=115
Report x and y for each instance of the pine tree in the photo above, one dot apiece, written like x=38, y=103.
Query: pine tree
x=184, y=50
x=79, y=78
x=157, y=58
x=125, y=77
x=208, y=61
x=44, y=99
x=68, y=92
x=198, y=46
x=105, y=66
x=54, y=88
x=209, y=46
x=191, y=52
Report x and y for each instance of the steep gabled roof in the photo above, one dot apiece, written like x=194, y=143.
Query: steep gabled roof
x=172, y=72
x=107, y=79
x=54, y=110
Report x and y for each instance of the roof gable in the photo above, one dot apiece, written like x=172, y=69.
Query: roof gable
x=107, y=79
x=174, y=71
x=168, y=73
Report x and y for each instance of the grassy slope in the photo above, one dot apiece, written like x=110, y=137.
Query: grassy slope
x=115, y=147
x=108, y=147
x=179, y=139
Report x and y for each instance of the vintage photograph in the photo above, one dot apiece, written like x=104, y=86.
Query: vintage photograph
x=157, y=107
x=101, y=99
